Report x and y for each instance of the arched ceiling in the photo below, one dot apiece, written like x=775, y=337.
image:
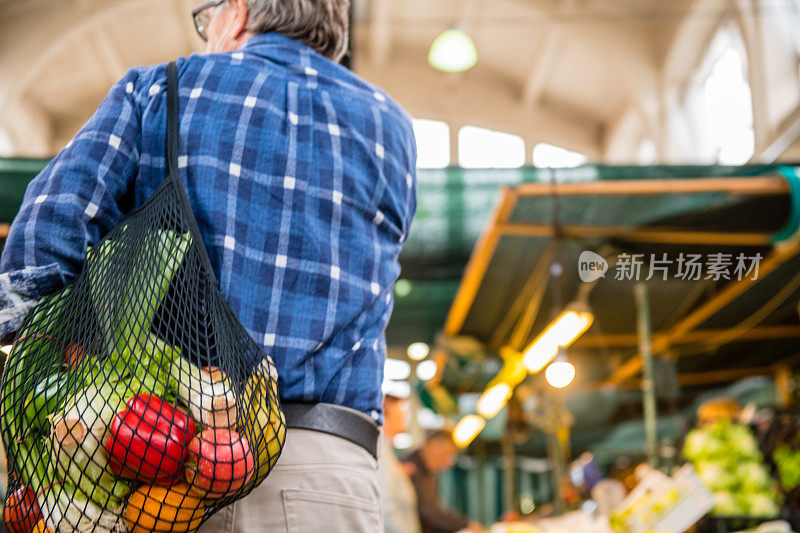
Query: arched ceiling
x=561, y=71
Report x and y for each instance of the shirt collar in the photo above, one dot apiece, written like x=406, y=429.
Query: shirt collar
x=271, y=39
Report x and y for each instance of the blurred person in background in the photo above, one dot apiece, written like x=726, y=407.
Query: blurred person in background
x=302, y=179
x=399, y=498
x=439, y=453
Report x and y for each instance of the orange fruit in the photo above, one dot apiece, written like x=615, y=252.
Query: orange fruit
x=41, y=527
x=158, y=508
x=73, y=355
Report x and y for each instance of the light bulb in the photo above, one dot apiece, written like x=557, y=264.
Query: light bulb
x=493, y=400
x=402, y=288
x=426, y=370
x=418, y=351
x=398, y=389
x=560, y=374
x=396, y=369
x=453, y=51
x=467, y=429
x=402, y=441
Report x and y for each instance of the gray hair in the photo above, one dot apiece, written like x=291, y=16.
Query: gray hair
x=321, y=24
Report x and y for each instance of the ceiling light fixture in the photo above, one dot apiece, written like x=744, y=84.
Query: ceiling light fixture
x=494, y=399
x=418, y=351
x=453, y=51
x=561, y=332
x=426, y=370
x=467, y=429
x=560, y=374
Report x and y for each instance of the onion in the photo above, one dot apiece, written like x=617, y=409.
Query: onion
x=209, y=394
x=76, y=439
x=73, y=512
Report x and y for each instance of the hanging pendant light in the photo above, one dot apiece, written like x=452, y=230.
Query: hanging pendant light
x=560, y=373
x=453, y=51
x=467, y=429
x=562, y=332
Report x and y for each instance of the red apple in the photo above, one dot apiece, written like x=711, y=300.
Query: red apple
x=21, y=511
x=219, y=462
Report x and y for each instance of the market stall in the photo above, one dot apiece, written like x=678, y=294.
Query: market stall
x=601, y=266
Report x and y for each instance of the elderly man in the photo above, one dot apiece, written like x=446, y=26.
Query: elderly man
x=301, y=177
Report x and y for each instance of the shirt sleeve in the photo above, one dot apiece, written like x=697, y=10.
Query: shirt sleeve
x=70, y=205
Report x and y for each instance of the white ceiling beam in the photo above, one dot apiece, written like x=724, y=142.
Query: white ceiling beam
x=380, y=32
x=748, y=16
x=691, y=39
x=107, y=52
x=549, y=41
x=468, y=13
x=29, y=129
x=485, y=101
x=23, y=59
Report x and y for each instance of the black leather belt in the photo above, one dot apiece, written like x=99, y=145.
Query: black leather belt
x=343, y=422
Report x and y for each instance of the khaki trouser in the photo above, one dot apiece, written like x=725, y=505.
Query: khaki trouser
x=321, y=483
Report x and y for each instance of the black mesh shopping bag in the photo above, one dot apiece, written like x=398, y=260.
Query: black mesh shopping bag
x=134, y=400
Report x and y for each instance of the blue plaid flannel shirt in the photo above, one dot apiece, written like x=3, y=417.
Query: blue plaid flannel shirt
x=301, y=177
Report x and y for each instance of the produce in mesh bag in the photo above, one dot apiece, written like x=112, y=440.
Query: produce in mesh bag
x=212, y=477
x=21, y=511
x=157, y=508
x=133, y=400
x=730, y=464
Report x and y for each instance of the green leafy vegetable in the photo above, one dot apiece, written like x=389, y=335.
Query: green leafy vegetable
x=730, y=464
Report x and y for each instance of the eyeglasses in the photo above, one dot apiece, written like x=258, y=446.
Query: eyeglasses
x=202, y=16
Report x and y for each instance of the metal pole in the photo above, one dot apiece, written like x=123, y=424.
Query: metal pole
x=557, y=471
x=648, y=390
x=510, y=502
x=555, y=452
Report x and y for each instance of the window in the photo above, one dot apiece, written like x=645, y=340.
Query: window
x=433, y=143
x=482, y=148
x=729, y=109
x=6, y=149
x=550, y=156
x=646, y=153
x=791, y=23
x=721, y=103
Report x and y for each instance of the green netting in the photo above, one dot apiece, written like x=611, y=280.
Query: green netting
x=454, y=206
x=628, y=439
x=14, y=177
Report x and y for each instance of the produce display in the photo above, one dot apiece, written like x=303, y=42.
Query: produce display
x=116, y=416
x=731, y=465
x=661, y=503
x=782, y=445
x=787, y=462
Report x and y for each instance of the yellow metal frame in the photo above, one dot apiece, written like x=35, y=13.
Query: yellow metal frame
x=685, y=330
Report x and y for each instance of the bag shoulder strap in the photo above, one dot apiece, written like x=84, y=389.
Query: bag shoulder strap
x=172, y=121
x=174, y=172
